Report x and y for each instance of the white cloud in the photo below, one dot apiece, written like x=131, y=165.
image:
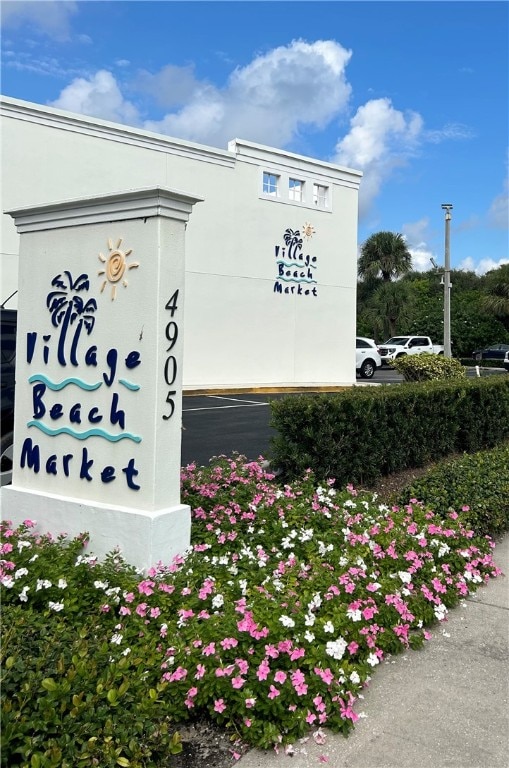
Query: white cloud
x=97, y=96
x=51, y=17
x=268, y=100
x=450, y=131
x=416, y=234
x=483, y=266
x=381, y=138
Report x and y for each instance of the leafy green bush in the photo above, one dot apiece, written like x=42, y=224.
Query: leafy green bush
x=67, y=699
x=269, y=625
x=361, y=434
x=477, y=484
x=425, y=367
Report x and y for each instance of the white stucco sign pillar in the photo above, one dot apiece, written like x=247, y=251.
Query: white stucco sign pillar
x=97, y=435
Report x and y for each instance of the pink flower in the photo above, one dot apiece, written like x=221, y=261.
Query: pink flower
x=179, y=674
x=310, y=718
x=141, y=609
x=352, y=647
x=273, y=692
x=263, y=670
x=219, y=705
x=280, y=676
x=238, y=682
x=155, y=612
x=250, y=703
x=242, y=665
x=146, y=587
x=229, y=642
x=247, y=722
x=209, y=649
x=200, y=671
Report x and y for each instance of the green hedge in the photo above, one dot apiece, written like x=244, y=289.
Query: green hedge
x=478, y=484
x=361, y=434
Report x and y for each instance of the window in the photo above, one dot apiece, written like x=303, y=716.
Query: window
x=295, y=188
x=320, y=195
x=270, y=184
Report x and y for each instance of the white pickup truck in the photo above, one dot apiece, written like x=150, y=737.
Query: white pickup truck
x=407, y=345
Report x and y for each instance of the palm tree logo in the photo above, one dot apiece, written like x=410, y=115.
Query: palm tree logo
x=68, y=308
x=293, y=241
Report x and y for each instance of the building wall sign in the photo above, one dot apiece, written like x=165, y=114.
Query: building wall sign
x=296, y=270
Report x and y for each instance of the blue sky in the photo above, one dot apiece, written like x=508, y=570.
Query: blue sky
x=414, y=94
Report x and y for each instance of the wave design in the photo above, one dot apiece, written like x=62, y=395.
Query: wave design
x=294, y=280
x=84, y=435
x=129, y=385
x=296, y=264
x=57, y=386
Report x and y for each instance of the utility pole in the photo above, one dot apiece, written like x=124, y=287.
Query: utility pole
x=447, y=207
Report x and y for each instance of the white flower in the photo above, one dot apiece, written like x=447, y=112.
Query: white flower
x=20, y=572
x=116, y=638
x=55, y=606
x=336, y=648
x=243, y=585
x=23, y=594
x=126, y=652
x=443, y=549
x=315, y=602
x=287, y=543
x=101, y=584
x=7, y=581
x=33, y=559
x=309, y=636
x=405, y=577
x=440, y=611
x=286, y=621
x=62, y=584
x=306, y=534
x=217, y=601
x=329, y=627
x=354, y=677
x=309, y=619
x=354, y=615
x=23, y=545
x=42, y=584
x=373, y=659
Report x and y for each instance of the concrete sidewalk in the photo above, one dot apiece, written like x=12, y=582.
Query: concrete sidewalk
x=445, y=706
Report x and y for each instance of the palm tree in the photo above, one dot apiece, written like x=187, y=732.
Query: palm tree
x=388, y=309
x=385, y=255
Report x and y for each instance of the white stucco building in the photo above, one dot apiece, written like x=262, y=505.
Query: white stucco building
x=271, y=252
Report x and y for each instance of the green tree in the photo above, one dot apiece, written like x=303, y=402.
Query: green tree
x=388, y=310
x=385, y=255
x=496, y=297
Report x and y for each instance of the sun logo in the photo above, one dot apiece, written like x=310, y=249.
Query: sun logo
x=116, y=266
x=308, y=230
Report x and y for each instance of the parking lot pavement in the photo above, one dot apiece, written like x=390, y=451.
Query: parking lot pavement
x=215, y=425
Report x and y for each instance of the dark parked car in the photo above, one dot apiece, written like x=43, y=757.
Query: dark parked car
x=8, y=356
x=493, y=352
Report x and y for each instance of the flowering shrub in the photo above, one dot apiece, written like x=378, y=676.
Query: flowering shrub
x=272, y=623
x=426, y=367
